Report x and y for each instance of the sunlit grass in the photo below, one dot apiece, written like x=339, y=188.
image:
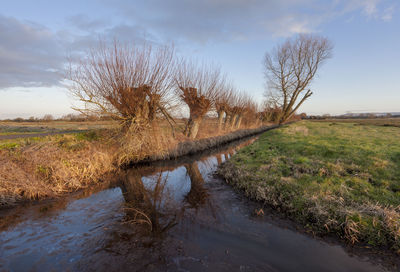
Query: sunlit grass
x=333, y=177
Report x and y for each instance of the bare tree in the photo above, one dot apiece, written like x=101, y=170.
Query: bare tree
x=291, y=67
x=222, y=102
x=246, y=109
x=250, y=114
x=128, y=82
x=197, y=86
x=48, y=117
x=237, y=110
x=230, y=109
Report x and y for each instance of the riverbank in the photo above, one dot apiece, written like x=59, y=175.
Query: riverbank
x=333, y=178
x=48, y=167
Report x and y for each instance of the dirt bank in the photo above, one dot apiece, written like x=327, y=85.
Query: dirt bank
x=192, y=147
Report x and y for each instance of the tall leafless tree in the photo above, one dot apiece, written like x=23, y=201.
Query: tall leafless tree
x=290, y=69
x=131, y=83
x=197, y=86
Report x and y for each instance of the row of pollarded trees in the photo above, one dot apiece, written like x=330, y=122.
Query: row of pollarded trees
x=140, y=84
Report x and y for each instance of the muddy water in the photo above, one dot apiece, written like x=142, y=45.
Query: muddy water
x=171, y=216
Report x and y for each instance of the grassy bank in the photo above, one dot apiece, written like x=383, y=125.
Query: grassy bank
x=336, y=178
x=46, y=167
x=42, y=167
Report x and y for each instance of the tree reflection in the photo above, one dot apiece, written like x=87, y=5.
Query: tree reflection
x=148, y=205
x=219, y=158
x=198, y=194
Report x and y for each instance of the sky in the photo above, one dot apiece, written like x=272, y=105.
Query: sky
x=36, y=37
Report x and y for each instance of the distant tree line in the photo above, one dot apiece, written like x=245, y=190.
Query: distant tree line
x=355, y=116
x=68, y=117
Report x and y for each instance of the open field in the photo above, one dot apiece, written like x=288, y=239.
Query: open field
x=334, y=178
x=391, y=122
x=13, y=128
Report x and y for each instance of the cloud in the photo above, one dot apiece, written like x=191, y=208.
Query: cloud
x=373, y=9
x=388, y=13
x=83, y=22
x=205, y=21
x=216, y=20
x=30, y=54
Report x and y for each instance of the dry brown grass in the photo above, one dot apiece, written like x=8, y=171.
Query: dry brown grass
x=56, y=165
x=137, y=145
x=49, y=170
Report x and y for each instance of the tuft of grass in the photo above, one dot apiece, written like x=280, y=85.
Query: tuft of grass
x=340, y=178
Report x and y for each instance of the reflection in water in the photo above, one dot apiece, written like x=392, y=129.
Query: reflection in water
x=150, y=200
x=148, y=205
x=219, y=158
x=198, y=194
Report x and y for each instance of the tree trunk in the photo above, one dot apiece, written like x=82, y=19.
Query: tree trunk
x=192, y=127
x=233, y=121
x=238, y=121
x=220, y=119
x=227, y=121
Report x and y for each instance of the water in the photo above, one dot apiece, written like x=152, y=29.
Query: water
x=170, y=216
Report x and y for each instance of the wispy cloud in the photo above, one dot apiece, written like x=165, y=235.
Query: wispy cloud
x=373, y=9
x=30, y=54
x=388, y=13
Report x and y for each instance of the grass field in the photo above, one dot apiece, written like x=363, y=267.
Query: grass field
x=11, y=128
x=332, y=177
x=392, y=122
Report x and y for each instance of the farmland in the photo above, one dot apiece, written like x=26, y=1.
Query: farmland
x=387, y=122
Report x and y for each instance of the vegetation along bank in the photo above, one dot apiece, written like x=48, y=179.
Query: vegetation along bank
x=334, y=178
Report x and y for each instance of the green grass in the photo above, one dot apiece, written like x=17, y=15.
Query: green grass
x=387, y=122
x=6, y=126
x=71, y=141
x=332, y=177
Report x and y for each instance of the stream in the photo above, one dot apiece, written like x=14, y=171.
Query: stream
x=167, y=216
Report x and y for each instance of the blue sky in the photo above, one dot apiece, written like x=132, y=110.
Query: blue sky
x=363, y=75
